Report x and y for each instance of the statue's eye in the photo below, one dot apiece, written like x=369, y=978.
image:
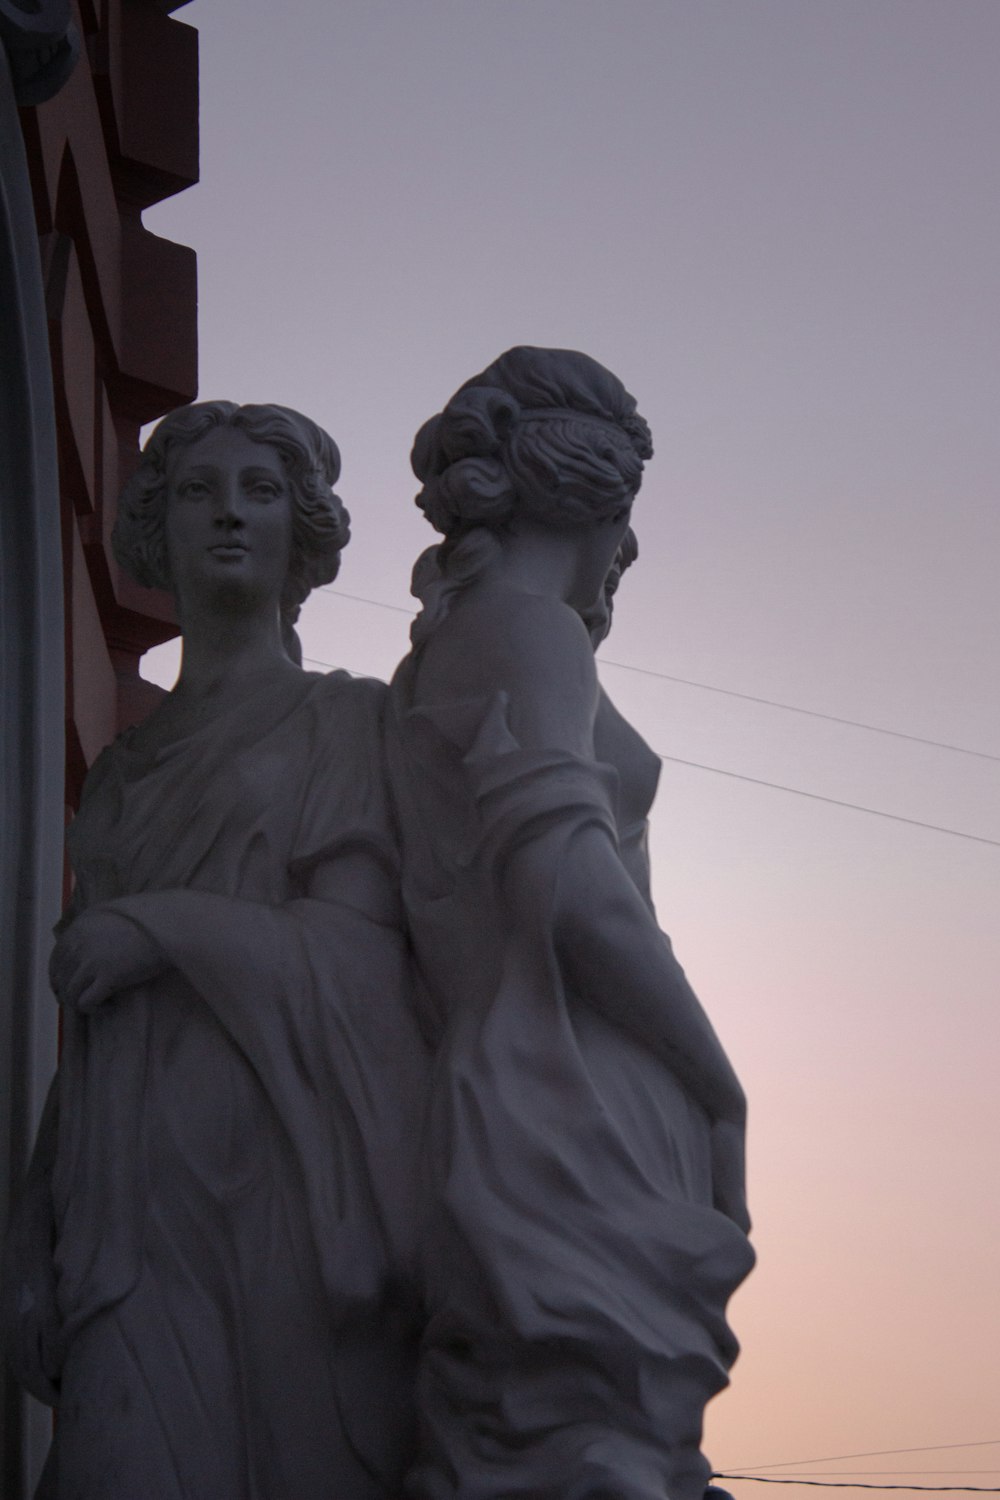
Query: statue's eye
x=193, y=489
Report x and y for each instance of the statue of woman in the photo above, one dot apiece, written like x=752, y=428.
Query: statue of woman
x=219, y=1304
x=584, y=1152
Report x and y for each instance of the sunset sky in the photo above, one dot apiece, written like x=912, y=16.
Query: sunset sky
x=779, y=222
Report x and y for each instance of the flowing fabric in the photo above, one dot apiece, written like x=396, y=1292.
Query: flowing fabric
x=234, y=1175
x=577, y=1271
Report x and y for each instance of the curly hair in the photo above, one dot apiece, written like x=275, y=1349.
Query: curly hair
x=548, y=434
x=320, y=524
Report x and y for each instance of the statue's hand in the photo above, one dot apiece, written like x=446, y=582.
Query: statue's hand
x=729, y=1192
x=100, y=953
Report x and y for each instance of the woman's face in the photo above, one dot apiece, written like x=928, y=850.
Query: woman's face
x=598, y=619
x=228, y=521
x=597, y=548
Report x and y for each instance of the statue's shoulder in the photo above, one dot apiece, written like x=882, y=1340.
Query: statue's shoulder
x=532, y=648
x=491, y=623
x=346, y=710
x=340, y=689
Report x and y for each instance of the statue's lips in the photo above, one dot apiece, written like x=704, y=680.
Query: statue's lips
x=229, y=549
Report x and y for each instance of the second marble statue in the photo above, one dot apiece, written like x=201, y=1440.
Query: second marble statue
x=584, y=1155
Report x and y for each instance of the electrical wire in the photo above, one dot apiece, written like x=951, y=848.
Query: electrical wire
x=816, y=1483
x=314, y=661
x=834, y=1458
x=832, y=1484
x=398, y=609
x=774, y=786
x=795, y=791
x=811, y=713
x=709, y=687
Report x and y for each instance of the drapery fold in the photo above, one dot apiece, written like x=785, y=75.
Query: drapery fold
x=577, y=1271
x=234, y=1186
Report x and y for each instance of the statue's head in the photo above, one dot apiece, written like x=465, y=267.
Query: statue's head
x=310, y=459
x=548, y=435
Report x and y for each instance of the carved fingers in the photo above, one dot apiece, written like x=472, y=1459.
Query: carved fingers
x=98, y=955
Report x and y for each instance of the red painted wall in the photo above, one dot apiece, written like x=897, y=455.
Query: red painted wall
x=122, y=307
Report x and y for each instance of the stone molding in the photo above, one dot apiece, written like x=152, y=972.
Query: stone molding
x=122, y=316
x=98, y=120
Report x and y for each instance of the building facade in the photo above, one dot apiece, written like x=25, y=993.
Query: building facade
x=98, y=121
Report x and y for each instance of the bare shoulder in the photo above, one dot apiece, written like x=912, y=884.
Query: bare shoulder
x=533, y=648
x=341, y=692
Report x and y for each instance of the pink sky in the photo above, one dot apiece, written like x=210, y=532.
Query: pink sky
x=779, y=221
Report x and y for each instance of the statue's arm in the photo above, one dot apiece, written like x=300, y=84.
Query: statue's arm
x=99, y=953
x=615, y=958
x=613, y=955
x=113, y=947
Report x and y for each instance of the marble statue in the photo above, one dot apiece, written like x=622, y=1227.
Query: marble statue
x=583, y=1161
x=210, y=1274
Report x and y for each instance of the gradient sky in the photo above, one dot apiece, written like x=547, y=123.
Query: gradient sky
x=779, y=222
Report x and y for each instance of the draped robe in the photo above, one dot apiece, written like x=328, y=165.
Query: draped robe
x=233, y=1179
x=577, y=1271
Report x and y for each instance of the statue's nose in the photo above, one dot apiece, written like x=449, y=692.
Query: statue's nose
x=228, y=506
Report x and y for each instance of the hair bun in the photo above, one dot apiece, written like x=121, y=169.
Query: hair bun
x=425, y=456
x=545, y=433
x=458, y=456
x=638, y=431
x=476, y=492
x=476, y=422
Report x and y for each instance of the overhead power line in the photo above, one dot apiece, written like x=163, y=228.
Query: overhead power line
x=750, y=1476
x=710, y=687
x=832, y=1484
x=314, y=661
x=833, y=1458
x=774, y=786
x=795, y=791
x=811, y=713
x=398, y=609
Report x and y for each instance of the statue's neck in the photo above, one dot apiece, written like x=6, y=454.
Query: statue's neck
x=537, y=559
x=230, y=654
